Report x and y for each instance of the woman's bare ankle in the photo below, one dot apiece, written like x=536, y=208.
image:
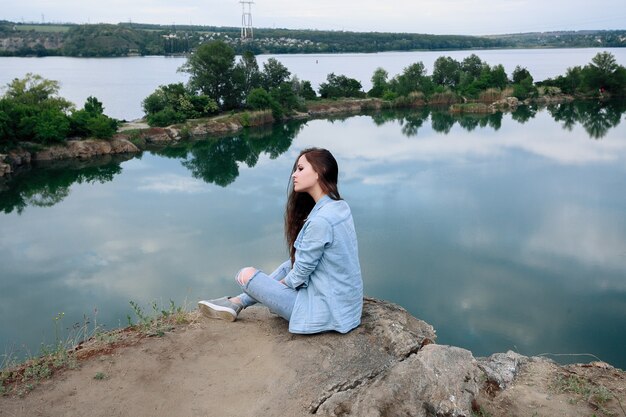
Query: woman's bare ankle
x=235, y=300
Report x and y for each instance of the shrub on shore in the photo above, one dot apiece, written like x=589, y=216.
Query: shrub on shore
x=32, y=111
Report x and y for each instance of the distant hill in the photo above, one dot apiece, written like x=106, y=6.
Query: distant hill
x=565, y=39
x=123, y=39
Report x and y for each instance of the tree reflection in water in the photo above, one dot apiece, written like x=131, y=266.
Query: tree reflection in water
x=217, y=161
x=47, y=184
x=597, y=118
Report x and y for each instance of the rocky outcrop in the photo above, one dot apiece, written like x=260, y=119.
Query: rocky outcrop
x=72, y=149
x=329, y=108
x=49, y=41
x=12, y=160
x=5, y=168
x=84, y=149
x=216, y=127
x=501, y=368
x=470, y=108
x=550, y=99
x=17, y=157
x=437, y=380
x=388, y=366
x=507, y=103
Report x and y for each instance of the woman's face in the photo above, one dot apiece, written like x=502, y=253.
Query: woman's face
x=305, y=179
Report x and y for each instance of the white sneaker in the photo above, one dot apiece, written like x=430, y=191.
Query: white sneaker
x=220, y=308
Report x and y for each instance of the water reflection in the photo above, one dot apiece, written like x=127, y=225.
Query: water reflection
x=46, y=184
x=217, y=161
x=524, y=113
x=596, y=118
x=442, y=121
x=214, y=161
x=501, y=236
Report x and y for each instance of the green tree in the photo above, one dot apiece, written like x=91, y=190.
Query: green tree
x=49, y=126
x=605, y=74
x=91, y=121
x=211, y=70
x=523, y=86
x=32, y=111
x=519, y=74
x=34, y=90
x=306, y=91
x=173, y=103
x=498, y=76
x=569, y=83
x=340, y=86
x=259, y=99
x=605, y=63
x=524, y=89
x=93, y=106
x=413, y=78
x=446, y=71
x=285, y=95
x=250, y=73
x=379, y=83
x=302, y=90
x=472, y=65
x=274, y=74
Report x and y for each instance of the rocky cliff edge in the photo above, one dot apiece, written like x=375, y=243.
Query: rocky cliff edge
x=388, y=366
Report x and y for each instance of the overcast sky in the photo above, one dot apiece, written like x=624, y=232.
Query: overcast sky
x=465, y=17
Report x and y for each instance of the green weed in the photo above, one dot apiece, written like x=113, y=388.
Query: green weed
x=590, y=392
x=19, y=378
x=160, y=321
x=245, y=119
x=100, y=376
x=22, y=377
x=185, y=132
x=480, y=413
x=37, y=371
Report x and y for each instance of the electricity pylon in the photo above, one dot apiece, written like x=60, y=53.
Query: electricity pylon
x=246, y=19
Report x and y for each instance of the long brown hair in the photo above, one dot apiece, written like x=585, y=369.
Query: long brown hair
x=299, y=205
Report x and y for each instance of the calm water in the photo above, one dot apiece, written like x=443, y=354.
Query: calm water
x=122, y=83
x=503, y=232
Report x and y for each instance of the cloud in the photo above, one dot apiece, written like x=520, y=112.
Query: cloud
x=572, y=233
x=431, y=16
x=173, y=183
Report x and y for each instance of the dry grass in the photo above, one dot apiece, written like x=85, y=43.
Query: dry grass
x=21, y=378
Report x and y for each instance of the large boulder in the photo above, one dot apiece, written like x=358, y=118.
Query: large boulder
x=435, y=381
x=387, y=366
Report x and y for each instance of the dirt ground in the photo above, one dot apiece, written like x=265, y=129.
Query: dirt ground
x=215, y=368
x=544, y=389
x=205, y=368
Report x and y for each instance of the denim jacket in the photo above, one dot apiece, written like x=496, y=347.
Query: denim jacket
x=326, y=272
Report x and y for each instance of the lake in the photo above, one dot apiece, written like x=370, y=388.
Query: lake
x=505, y=231
x=122, y=83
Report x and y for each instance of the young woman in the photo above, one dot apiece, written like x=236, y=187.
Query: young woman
x=320, y=287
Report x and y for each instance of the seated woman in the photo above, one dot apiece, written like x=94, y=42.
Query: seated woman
x=320, y=287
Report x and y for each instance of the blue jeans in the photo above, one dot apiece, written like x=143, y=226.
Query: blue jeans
x=267, y=290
